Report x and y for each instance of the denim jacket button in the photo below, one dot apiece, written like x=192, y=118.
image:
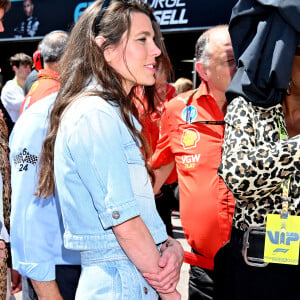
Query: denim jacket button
x=116, y=215
x=145, y=290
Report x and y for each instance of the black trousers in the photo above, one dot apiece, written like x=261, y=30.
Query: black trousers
x=164, y=205
x=201, y=283
x=235, y=280
x=67, y=277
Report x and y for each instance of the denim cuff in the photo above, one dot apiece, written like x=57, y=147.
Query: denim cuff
x=44, y=271
x=119, y=214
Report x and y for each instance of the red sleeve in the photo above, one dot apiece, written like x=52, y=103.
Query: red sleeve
x=171, y=93
x=172, y=177
x=163, y=154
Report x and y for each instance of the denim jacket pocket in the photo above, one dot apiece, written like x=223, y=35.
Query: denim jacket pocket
x=140, y=180
x=133, y=154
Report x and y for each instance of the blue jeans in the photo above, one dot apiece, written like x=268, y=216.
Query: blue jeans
x=112, y=278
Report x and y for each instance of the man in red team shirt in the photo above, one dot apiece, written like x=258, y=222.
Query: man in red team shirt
x=192, y=130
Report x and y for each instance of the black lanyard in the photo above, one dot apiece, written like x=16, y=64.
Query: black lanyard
x=188, y=114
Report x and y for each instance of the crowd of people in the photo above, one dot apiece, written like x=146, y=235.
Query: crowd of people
x=101, y=139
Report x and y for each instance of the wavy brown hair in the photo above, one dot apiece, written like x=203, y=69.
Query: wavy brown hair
x=83, y=61
x=5, y=4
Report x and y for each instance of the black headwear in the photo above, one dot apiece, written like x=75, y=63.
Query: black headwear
x=264, y=36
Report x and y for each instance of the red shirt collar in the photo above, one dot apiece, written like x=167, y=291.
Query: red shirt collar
x=47, y=73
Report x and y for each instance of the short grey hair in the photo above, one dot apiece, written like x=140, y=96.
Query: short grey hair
x=201, y=52
x=53, y=46
x=202, y=49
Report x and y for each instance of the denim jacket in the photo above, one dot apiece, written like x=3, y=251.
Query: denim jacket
x=100, y=176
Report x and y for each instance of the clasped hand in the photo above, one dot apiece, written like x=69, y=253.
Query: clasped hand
x=170, y=262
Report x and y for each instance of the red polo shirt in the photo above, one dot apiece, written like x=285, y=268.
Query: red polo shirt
x=206, y=205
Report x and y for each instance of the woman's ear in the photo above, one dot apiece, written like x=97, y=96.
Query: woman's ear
x=107, y=51
x=99, y=40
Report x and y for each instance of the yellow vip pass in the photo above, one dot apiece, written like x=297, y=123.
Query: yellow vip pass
x=282, y=240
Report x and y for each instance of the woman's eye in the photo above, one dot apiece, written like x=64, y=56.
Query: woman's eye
x=142, y=39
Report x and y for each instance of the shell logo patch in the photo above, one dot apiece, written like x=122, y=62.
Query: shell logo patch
x=189, y=139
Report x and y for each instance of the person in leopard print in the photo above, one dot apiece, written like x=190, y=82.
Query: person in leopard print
x=261, y=151
x=5, y=207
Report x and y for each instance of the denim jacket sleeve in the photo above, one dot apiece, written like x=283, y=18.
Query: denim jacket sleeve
x=102, y=164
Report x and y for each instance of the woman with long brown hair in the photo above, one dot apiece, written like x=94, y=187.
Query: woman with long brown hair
x=91, y=157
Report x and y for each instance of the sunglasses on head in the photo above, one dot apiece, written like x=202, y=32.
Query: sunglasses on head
x=100, y=15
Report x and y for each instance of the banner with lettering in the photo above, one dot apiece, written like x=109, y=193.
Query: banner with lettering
x=187, y=15
x=32, y=19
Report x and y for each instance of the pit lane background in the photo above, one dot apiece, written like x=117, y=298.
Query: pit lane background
x=181, y=21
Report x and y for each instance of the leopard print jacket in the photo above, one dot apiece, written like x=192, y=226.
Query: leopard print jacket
x=5, y=171
x=255, y=162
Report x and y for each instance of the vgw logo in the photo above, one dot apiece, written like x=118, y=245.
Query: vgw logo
x=283, y=238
